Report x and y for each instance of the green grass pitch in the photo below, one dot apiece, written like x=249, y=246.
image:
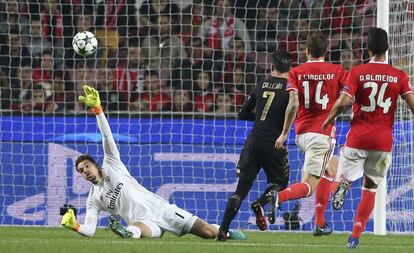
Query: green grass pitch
x=44, y=240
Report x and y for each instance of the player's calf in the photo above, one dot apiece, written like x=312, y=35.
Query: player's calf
x=203, y=229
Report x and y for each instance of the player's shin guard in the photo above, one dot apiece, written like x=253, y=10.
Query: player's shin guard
x=365, y=207
x=321, y=200
x=295, y=191
x=233, y=205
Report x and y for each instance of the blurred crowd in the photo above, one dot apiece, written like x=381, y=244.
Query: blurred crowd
x=164, y=55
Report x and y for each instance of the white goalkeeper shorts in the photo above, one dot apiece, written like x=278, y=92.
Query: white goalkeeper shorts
x=354, y=163
x=318, y=149
x=176, y=220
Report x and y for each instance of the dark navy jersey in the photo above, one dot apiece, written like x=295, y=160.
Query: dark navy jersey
x=270, y=100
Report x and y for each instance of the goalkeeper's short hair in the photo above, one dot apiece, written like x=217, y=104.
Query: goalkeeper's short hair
x=83, y=158
x=281, y=61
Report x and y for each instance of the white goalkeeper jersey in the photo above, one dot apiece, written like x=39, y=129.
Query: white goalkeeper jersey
x=118, y=192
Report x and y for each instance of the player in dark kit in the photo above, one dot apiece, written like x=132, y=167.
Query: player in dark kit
x=270, y=100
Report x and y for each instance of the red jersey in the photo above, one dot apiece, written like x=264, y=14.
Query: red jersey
x=375, y=86
x=318, y=85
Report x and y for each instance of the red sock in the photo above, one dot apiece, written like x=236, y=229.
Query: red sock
x=321, y=200
x=334, y=185
x=295, y=191
x=365, y=206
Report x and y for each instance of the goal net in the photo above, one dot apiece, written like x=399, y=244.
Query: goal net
x=172, y=76
x=400, y=216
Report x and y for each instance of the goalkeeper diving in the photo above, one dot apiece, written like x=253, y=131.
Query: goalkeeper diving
x=114, y=190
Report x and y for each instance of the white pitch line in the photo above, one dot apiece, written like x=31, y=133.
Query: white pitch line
x=226, y=244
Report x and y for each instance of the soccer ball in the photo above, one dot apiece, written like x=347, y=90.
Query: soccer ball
x=85, y=43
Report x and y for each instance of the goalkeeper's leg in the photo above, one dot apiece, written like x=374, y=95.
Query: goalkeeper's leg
x=205, y=230
x=116, y=227
x=148, y=229
x=138, y=229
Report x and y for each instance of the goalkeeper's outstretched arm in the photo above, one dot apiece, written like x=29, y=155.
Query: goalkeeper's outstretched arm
x=92, y=99
x=87, y=229
x=108, y=142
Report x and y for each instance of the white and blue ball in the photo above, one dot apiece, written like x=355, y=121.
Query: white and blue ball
x=85, y=43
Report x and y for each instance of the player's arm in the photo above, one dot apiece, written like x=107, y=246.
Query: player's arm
x=409, y=99
x=290, y=115
x=407, y=92
x=348, y=85
x=339, y=107
x=92, y=100
x=246, y=112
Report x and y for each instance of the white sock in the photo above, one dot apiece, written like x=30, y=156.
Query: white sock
x=136, y=231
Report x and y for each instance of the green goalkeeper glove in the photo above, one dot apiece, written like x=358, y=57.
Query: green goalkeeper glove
x=69, y=220
x=92, y=97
